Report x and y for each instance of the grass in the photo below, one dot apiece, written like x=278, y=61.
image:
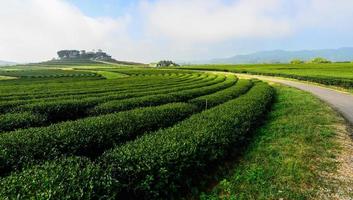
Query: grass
x=288, y=154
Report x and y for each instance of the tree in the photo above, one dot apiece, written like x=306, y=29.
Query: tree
x=319, y=60
x=296, y=61
x=63, y=54
x=75, y=54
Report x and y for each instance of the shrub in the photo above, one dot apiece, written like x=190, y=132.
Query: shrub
x=12, y=121
x=51, y=180
x=222, y=96
x=296, y=61
x=319, y=60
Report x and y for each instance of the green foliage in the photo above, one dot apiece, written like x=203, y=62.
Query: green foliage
x=36, y=162
x=88, y=137
x=59, y=110
x=51, y=181
x=42, y=73
x=296, y=61
x=159, y=99
x=12, y=121
x=65, y=108
x=222, y=96
x=161, y=164
x=319, y=60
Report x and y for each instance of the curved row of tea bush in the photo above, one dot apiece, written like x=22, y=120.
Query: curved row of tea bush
x=222, y=96
x=8, y=106
x=12, y=121
x=153, y=166
x=53, y=73
x=155, y=83
x=72, y=109
x=153, y=100
x=103, y=86
x=25, y=89
x=75, y=178
x=160, y=164
x=88, y=137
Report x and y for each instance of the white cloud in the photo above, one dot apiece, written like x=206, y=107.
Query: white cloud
x=213, y=20
x=324, y=14
x=33, y=30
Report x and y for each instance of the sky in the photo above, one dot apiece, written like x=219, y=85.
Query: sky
x=181, y=30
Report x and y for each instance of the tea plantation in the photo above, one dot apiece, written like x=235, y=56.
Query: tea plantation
x=80, y=132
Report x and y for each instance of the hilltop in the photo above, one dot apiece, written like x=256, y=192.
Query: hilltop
x=83, y=56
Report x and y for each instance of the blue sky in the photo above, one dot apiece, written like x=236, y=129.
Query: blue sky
x=150, y=30
x=99, y=8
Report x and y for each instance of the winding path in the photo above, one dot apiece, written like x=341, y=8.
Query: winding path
x=342, y=102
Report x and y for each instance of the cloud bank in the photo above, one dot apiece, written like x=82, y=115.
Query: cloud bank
x=33, y=30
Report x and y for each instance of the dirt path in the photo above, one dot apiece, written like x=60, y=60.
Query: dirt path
x=340, y=101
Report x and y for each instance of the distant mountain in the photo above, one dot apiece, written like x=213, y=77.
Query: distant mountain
x=3, y=63
x=281, y=56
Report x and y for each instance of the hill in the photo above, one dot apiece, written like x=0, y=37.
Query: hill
x=282, y=56
x=79, y=57
x=3, y=63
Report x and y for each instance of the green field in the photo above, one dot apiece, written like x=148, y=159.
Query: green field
x=336, y=74
x=102, y=131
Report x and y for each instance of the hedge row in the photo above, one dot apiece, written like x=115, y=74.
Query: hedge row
x=85, y=180
x=222, y=96
x=161, y=164
x=12, y=121
x=88, y=137
x=154, y=100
